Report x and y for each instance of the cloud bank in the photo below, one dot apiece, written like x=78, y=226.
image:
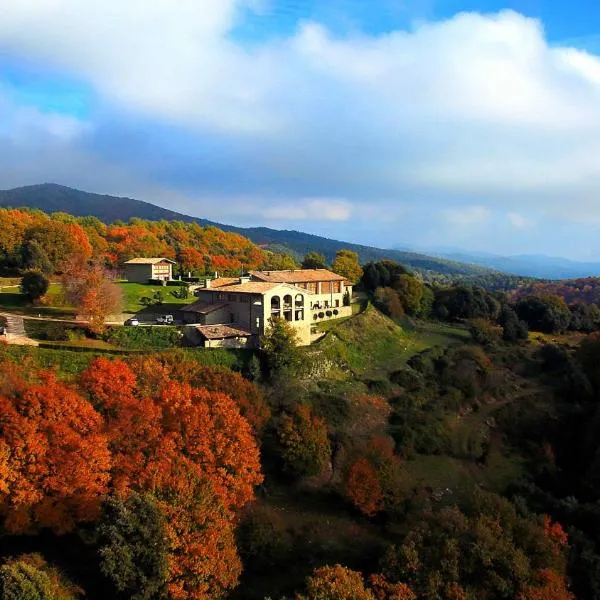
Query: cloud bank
x=467, y=118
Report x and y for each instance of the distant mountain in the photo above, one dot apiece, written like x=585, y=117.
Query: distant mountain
x=531, y=265
x=56, y=198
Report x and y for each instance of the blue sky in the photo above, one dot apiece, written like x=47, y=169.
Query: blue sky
x=420, y=123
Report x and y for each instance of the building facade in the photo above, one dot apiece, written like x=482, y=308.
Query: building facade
x=140, y=270
x=302, y=298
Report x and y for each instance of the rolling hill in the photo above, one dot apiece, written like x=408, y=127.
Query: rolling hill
x=57, y=198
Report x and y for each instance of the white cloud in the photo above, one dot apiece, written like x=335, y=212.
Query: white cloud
x=468, y=216
x=315, y=209
x=517, y=220
x=477, y=107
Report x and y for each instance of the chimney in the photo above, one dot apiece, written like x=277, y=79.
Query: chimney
x=207, y=283
x=244, y=279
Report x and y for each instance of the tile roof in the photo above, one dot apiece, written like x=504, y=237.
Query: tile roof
x=202, y=308
x=252, y=287
x=221, y=281
x=219, y=332
x=148, y=261
x=297, y=276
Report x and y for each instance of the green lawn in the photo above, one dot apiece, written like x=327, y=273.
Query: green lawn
x=12, y=300
x=134, y=292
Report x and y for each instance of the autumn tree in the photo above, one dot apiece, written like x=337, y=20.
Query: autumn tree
x=363, y=487
x=34, y=285
x=387, y=300
x=410, y=290
x=337, y=583
x=303, y=444
x=93, y=293
x=58, y=461
x=346, y=264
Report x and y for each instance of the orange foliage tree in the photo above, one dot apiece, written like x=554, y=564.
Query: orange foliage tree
x=194, y=451
x=363, y=487
x=54, y=458
x=92, y=291
x=551, y=586
x=337, y=583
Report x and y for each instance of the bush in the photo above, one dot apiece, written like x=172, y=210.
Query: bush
x=54, y=331
x=144, y=338
x=34, y=285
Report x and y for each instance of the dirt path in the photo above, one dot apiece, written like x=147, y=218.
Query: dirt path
x=15, y=330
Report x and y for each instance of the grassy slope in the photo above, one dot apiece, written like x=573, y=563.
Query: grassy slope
x=12, y=300
x=133, y=292
x=371, y=344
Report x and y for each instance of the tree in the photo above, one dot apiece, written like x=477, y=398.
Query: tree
x=388, y=301
x=280, y=348
x=337, y=583
x=513, y=329
x=484, y=332
x=410, y=290
x=133, y=546
x=34, y=285
x=346, y=264
x=93, y=293
x=550, y=585
x=548, y=314
x=58, y=459
x=314, y=260
x=303, y=443
x=279, y=261
x=364, y=488
x=29, y=577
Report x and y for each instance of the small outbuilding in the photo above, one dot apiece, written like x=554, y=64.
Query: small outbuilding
x=140, y=270
x=225, y=336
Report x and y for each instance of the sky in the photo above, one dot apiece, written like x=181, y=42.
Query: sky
x=470, y=124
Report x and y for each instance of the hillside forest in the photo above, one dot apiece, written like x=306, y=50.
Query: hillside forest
x=440, y=444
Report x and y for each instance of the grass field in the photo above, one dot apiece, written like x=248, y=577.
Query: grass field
x=134, y=292
x=370, y=343
x=12, y=300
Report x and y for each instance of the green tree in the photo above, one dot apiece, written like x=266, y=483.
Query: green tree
x=548, y=314
x=485, y=332
x=314, y=260
x=34, y=285
x=280, y=349
x=29, y=577
x=279, y=261
x=132, y=546
x=513, y=328
x=346, y=264
x=410, y=290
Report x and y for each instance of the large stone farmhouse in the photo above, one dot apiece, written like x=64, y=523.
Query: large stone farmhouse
x=141, y=270
x=242, y=306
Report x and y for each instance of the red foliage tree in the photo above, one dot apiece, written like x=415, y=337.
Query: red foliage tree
x=337, y=583
x=54, y=458
x=551, y=586
x=363, y=487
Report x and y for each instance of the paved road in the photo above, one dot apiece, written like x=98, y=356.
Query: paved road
x=15, y=331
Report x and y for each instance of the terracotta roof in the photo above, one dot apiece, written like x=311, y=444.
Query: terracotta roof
x=297, y=276
x=202, y=308
x=252, y=287
x=219, y=332
x=148, y=261
x=221, y=281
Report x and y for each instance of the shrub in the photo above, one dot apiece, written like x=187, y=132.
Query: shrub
x=34, y=285
x=144, y=338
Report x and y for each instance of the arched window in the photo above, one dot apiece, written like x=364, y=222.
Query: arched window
x=276, y=306
x=299, y=301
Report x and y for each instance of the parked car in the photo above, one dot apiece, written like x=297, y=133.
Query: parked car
x=165, y=320
x=134, y=321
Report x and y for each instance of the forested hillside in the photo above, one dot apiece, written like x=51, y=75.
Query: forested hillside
x=53, y=198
